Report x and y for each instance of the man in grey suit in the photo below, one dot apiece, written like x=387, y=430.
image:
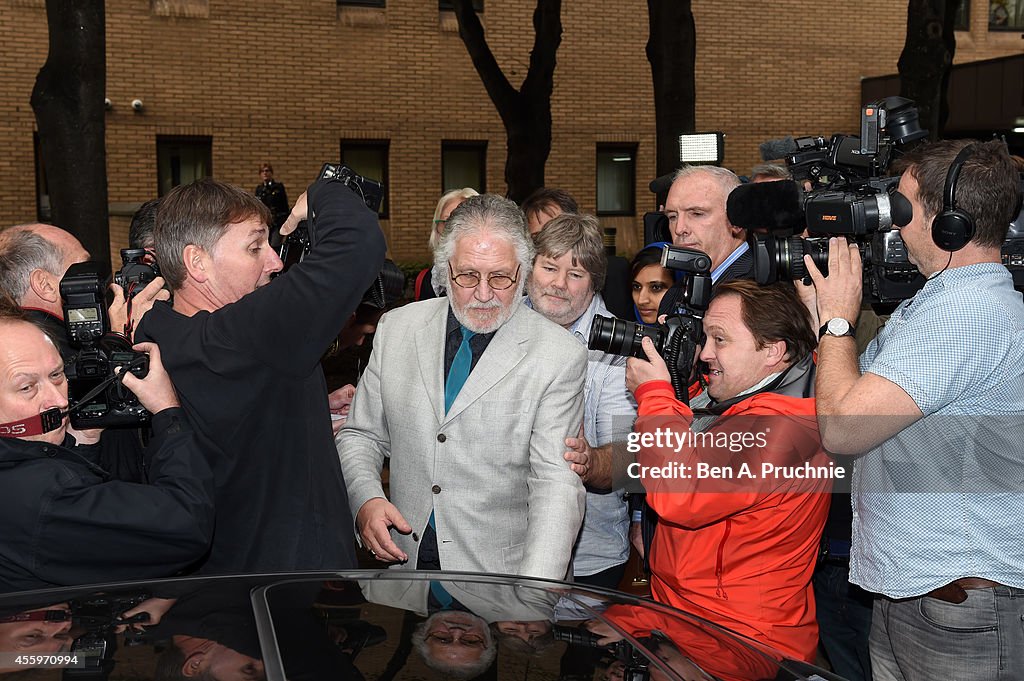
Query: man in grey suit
x=471, y=396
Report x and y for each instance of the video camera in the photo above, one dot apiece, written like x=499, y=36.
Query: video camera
x=850, y=196
x=98, y=398
x=1013, y=248
x=677, y=339
x=296, y=245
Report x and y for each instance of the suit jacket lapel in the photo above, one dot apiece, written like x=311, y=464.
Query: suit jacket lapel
x=503, y=353
x=430, y=358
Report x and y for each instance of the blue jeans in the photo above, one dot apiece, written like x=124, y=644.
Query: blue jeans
x=844, y=621
x=920, y=639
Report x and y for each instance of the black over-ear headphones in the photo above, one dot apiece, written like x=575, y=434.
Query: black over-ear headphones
x=953, y=228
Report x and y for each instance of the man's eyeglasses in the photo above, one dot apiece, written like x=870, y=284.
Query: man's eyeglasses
x=469, y=640
x=498, y=282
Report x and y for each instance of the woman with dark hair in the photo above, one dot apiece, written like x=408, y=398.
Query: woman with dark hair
x=650, y=281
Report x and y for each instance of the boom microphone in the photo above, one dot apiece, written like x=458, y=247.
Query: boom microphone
x=660, y=185
x=778, y=148
x=781, y=148
x=774, y=206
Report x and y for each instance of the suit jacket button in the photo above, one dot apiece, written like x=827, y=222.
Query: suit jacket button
x=436, y=489
x=441, y=438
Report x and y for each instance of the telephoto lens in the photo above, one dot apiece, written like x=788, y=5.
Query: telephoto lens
x=620, y=337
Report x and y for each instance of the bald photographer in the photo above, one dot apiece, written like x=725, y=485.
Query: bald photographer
x=65, y=521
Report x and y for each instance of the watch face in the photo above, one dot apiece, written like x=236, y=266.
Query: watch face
x=838, y=327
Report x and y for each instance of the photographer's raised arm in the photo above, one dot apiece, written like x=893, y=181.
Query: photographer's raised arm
x=293, y=320
x=845, y=397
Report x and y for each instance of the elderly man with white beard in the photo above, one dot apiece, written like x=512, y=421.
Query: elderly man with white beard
x=471, y=396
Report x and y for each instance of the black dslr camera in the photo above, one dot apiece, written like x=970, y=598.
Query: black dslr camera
x=98, y=398
x=296, y=245
x=135, y=273
x=633, y=661
x=677, y=339
x=99, y=616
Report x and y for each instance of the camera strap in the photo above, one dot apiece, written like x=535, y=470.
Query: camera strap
x=34, y=425
x=38, y=616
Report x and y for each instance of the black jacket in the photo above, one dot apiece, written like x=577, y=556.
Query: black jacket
x=274, y=197
x=249, y=377
x=63, y=522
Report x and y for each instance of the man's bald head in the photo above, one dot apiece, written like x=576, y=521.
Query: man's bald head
x=33, y=260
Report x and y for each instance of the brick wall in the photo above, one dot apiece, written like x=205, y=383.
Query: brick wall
x=286, y=81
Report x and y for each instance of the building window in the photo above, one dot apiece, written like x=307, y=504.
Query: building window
x=180, y=160
x=1006, y=15
x=616, y=179
x=42, y=190
x=478, y=5
x=363, y=3
x=369, y=158
x=464, y=164
x=962, y=20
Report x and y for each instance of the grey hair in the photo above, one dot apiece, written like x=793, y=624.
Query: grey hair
x=199, y=214
x=464, y=193
x=725, y=177
x=581, y=234
x=770, y=170
x=23, y=251
x=479, y=214
x=460, y=672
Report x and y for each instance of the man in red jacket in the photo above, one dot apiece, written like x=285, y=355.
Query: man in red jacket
x=740, y=481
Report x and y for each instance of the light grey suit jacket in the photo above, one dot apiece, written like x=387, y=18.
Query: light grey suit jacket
x=492, y=602
x=492, y=469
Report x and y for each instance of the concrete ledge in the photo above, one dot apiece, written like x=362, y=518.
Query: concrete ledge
x=362, y=16
x=191, y=9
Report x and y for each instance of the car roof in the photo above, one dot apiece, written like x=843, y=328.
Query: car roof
x=374, y=624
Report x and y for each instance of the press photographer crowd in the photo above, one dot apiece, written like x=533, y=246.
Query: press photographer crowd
x=801, y=403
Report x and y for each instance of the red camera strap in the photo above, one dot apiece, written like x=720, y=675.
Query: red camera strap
x=35, y=425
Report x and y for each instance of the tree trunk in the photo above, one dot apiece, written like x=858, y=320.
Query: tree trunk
x=526, y=112
x=927, y=57
x=672, y=52
x=68, y=103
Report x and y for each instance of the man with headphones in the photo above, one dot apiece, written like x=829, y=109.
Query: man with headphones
x=934, y=413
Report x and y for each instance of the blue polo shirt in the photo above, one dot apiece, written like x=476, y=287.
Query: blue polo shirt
x=944, y=498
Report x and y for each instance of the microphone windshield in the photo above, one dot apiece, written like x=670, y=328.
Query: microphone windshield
x=774, y=206
x=661, y=184
x=778, y=148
